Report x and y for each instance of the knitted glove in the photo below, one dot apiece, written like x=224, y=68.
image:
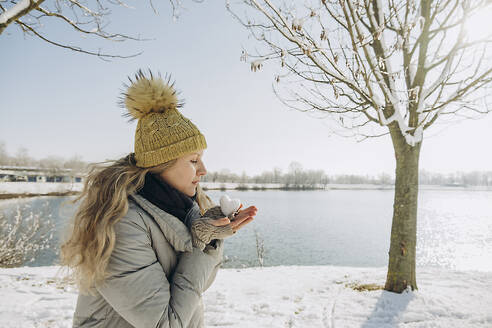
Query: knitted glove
x=203, y=231
x=216, y=213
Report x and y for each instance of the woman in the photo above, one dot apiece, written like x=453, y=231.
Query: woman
x=131, y=246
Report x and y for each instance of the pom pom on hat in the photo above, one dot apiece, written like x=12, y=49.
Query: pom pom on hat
x=148, y=94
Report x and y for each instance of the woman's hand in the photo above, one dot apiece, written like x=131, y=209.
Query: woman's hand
x=240, y=220
x=204, y=230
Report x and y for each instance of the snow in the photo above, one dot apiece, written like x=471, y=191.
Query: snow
x=14, y=11
x=283, y=296
x=43, y=188
x=38, y=187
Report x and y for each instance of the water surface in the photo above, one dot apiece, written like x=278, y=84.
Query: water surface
x=337, y=227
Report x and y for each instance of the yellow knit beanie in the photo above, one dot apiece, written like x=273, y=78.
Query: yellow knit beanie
x=162, y=133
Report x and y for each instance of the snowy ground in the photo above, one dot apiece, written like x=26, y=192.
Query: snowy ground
x=286, y=296
x=38, y=187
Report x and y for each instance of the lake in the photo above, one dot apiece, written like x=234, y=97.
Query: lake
x=335, y=227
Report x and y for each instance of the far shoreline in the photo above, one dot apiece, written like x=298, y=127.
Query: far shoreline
x=29, y=195
x=10, y=190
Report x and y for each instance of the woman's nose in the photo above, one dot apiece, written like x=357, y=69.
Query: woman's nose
x=202, y=170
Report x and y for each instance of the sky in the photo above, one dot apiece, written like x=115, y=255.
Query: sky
x=57, y=102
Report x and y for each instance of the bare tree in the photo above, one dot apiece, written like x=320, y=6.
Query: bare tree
x=24, y=235
x=22, y=158
x=52, y=162
x=384, y=178
x=4, y=156
x=295, y=170
x=89, y=18
x=277, y=174
x=260, y=248
x=376, y=68
x=76, y=163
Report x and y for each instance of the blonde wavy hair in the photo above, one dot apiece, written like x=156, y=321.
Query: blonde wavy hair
x=104, y=201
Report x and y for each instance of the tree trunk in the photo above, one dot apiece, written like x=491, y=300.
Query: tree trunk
x=401, y=266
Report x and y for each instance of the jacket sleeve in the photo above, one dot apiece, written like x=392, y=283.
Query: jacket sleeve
x=137, y=287
x=220, y=252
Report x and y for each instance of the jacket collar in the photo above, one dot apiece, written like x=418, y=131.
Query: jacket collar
x=176, y=233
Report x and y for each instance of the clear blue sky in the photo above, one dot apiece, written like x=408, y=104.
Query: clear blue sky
x=57, y=102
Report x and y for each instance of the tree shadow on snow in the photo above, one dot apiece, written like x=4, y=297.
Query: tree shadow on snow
x=388, y=309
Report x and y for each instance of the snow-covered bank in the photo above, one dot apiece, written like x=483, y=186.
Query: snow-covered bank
x=338, y=186
x=284, y=296
x=15, y=189
x=266, y=186
x=234, y=185
x=39, y=188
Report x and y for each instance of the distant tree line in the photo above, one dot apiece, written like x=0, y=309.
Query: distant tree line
x=473, y=178
x=296, y=175
x=22, y=158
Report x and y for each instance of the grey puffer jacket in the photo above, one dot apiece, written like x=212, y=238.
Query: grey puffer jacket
x=156, y=276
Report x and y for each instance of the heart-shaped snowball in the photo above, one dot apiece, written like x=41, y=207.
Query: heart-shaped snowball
x=229, y=206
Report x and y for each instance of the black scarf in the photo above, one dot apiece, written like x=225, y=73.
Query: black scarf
x=167, y=198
